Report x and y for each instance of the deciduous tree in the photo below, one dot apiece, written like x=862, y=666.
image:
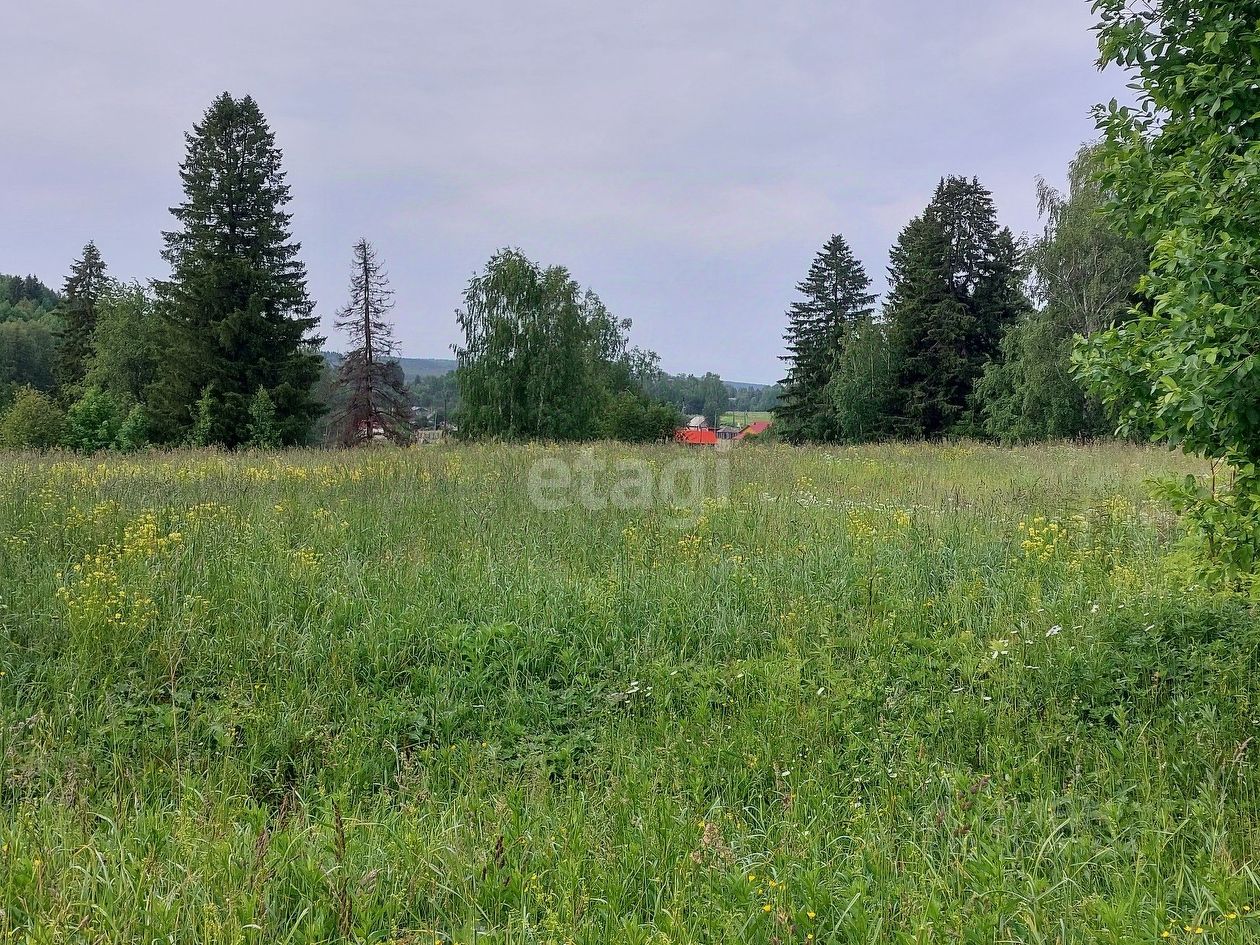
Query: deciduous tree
x=1085, y=275
x=127, y=343
x=1182, y=167
x=541, y=357
x=33, y=421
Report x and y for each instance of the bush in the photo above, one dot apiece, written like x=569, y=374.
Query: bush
x=263, y=432
x=33, y=422
x=207, y=424
x=134, y=433
x=93, y=422
x=635, y=418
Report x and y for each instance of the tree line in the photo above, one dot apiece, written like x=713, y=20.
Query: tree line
x=225, y=350
x=975, y=336
x=1136, y=311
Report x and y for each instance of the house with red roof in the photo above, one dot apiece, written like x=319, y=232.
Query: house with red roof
x=756, y=428
x=695, y=436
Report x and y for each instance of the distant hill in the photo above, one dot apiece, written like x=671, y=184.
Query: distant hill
x=412, y=367
x=429, y=367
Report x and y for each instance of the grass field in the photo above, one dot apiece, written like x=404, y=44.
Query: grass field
x=739, y=418
x=896, y=694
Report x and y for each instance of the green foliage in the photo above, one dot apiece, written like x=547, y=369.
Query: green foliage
x=236, y=309
x=437, y=395
x=133, y=434
x=28, y=350
x=633, y=417
x=1085, y=269
x=528, y=367
x=263, y=432
x=707, y=396
x=207, y=425
x=756, y=399
x=79, y=310
x=1085, y=273
x=1183, y=169
x=29, y=327
x=127, y=343
x=955, y=284
x=32, y=422
x=93, y=422
x=542, y=359
x=24, y=294
x=710, y=396
x=862, y=389
x=1030, y=393
x=836, y=297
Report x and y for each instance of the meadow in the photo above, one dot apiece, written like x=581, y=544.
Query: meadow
x=906, y=694
x=740, y=418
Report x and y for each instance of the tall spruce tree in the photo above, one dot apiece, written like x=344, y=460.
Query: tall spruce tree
x=370, y=388
x=79, y=309
x=928, y=329
x=836, y=298
x=236, y=308
x=956, y=282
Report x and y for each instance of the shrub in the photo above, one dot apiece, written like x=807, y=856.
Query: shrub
x=134, y=433
x=93, y=422
x=635, y=418
x=32, y=422
x=263, y=432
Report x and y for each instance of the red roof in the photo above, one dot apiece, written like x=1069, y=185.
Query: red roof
x=754, y=429
x=694, y=437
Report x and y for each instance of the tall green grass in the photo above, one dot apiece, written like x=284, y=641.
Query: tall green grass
x=895, y=694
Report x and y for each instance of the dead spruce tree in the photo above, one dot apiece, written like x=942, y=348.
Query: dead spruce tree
x=371, y=396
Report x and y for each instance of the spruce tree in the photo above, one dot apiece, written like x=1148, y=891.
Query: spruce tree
x=929, y=328
x=236, y=308
x=81, y=296
x=371, y=389
x=955, y=284
x=836, y=298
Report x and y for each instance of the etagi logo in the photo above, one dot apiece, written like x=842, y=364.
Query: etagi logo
x=677, y=488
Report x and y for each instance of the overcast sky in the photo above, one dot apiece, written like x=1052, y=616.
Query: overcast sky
x=684, y=158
